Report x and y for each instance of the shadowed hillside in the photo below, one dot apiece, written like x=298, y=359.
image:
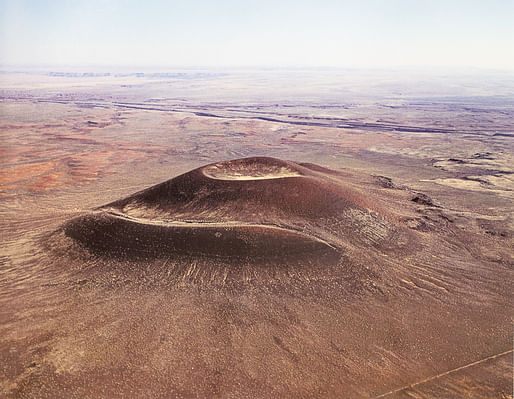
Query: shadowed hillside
x=254, y=212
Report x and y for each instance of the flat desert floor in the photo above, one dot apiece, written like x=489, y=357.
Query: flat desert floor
x=256, y=234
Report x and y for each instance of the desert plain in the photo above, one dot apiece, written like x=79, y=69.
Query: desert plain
x=256, y=233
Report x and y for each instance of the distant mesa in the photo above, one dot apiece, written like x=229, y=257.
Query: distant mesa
x=253, y=210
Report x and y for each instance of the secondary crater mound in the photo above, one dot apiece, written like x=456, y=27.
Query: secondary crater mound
x=115, y=236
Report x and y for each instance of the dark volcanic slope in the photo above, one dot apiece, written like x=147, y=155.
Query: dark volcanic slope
x=255, y=210
x=251, y=189
x=112, y=235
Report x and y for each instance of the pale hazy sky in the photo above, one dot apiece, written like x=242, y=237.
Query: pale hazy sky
x=278, y=33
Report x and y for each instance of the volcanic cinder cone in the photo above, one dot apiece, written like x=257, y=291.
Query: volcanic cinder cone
x=260, y=277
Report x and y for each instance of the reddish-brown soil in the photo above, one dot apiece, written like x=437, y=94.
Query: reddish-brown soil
x=357, y=245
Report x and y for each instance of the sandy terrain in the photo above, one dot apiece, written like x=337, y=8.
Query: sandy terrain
x=360, y=242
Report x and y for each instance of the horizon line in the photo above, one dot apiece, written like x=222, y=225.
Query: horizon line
x=22, y=67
